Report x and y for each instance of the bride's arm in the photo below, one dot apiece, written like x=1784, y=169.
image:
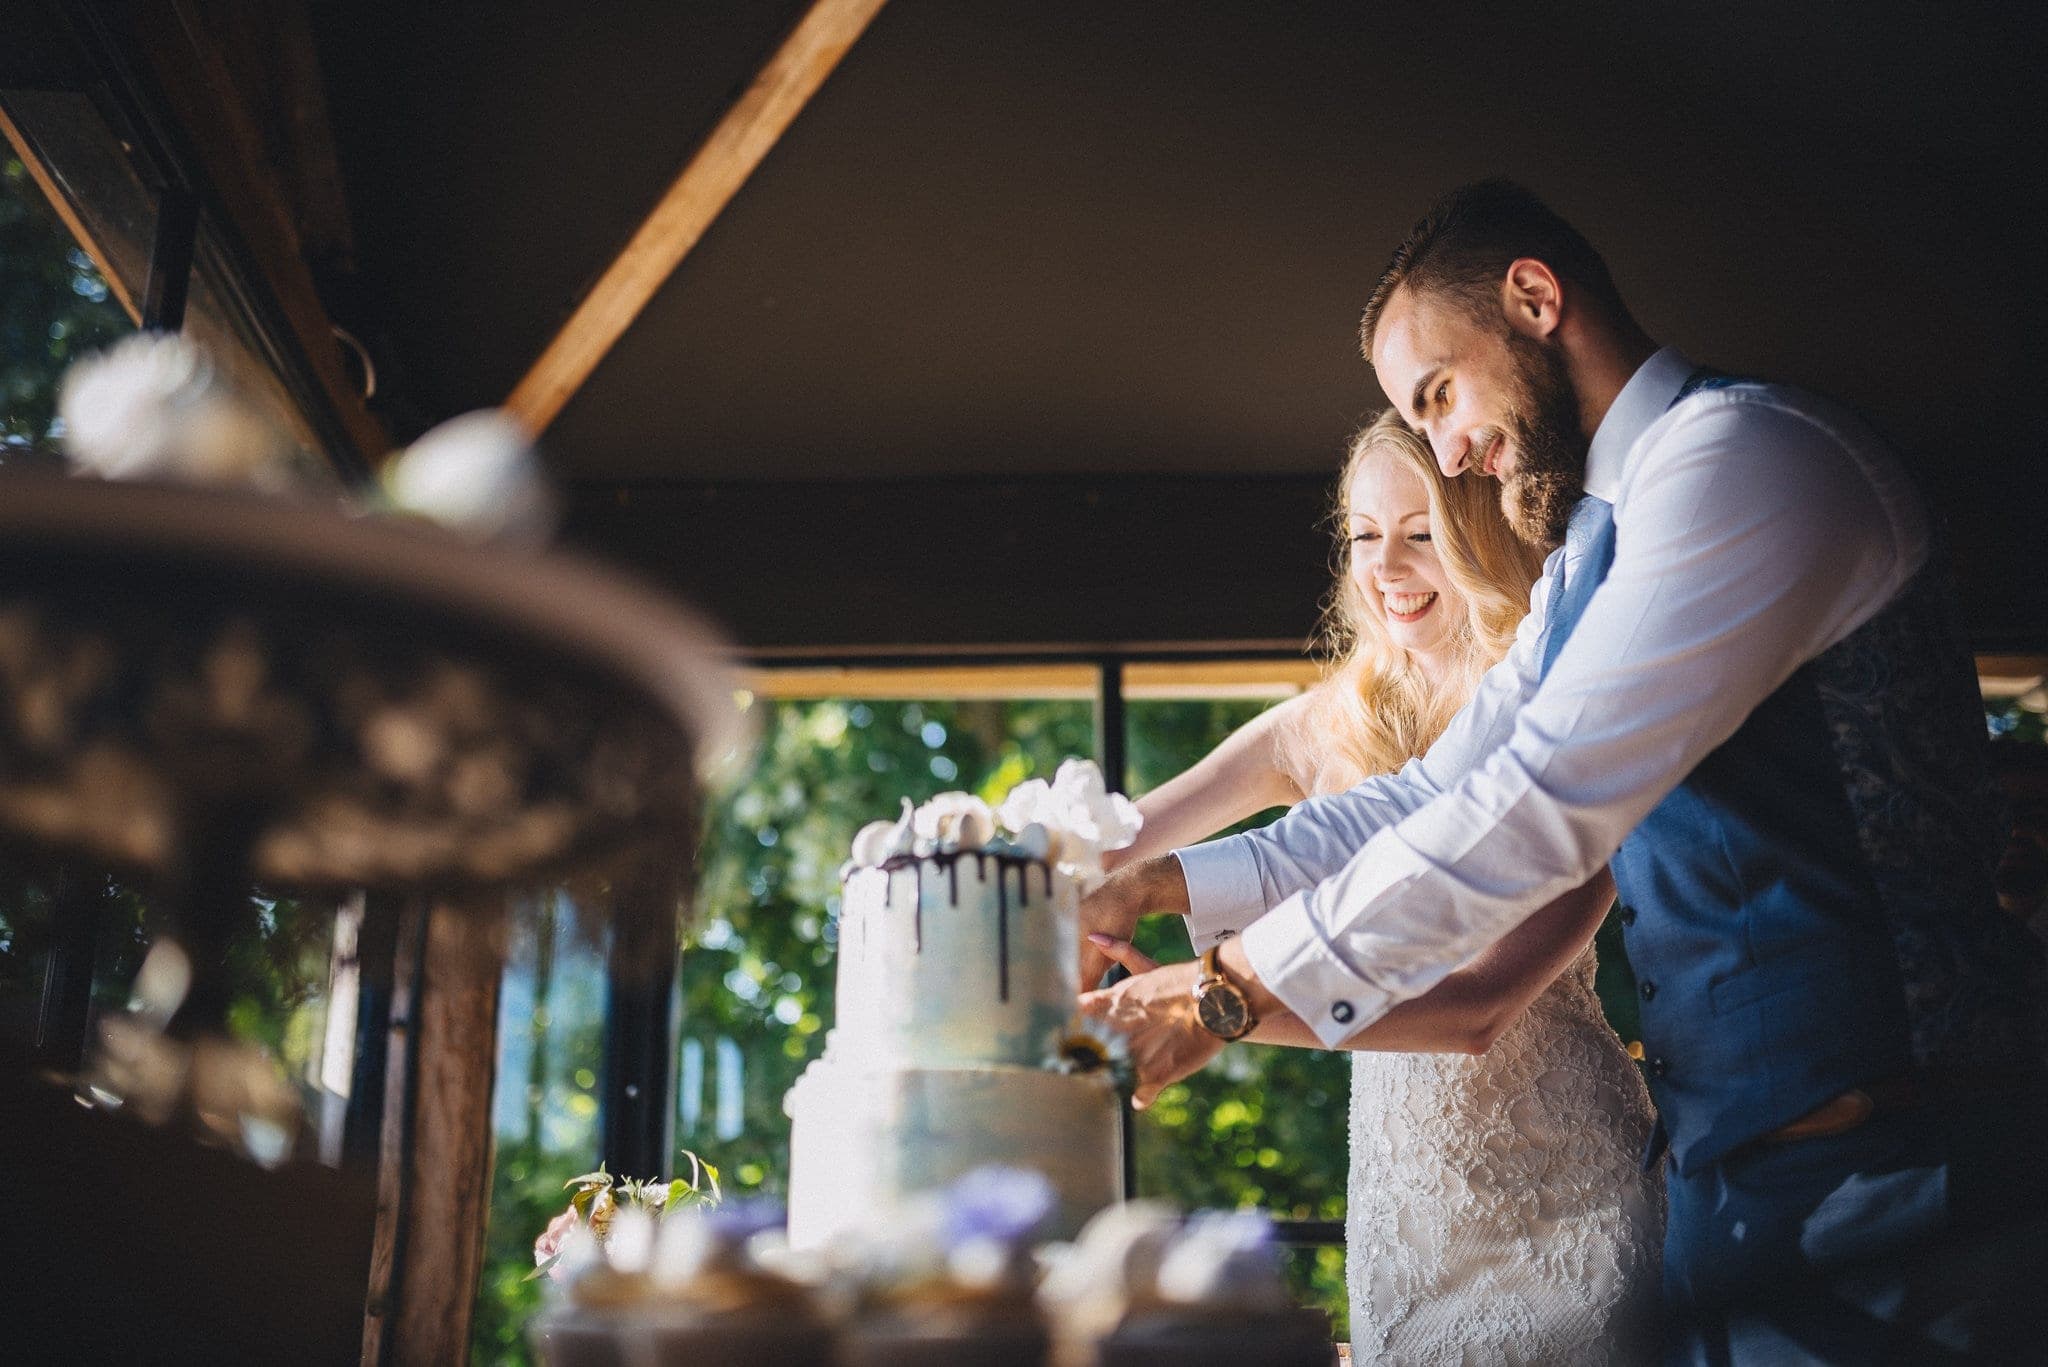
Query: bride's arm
x=1469, y=1009
x=1473, y=1007
x=1241, y=777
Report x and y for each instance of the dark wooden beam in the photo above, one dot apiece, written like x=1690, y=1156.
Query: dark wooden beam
x=169, y=285
x=435, y=1182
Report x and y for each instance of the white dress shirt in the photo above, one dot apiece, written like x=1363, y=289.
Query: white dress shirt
x=1755, y=526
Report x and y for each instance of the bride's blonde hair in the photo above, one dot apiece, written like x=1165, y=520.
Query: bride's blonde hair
x=1374, y=710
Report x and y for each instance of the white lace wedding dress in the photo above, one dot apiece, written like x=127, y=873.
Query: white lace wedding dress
x=1498, y=1213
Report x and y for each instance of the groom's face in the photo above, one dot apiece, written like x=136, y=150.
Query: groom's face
x=1491, y=400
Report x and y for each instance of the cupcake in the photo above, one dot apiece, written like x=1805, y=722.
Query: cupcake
x=1144, y=1289
x=690, y=1292
x=714, y=1304
x=598, y=1291
x=952, y=1278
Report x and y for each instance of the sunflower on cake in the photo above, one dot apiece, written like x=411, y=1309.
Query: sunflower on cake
x=955, y=1044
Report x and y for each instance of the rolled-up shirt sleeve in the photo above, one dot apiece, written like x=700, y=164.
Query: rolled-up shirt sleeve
x=1751, y=535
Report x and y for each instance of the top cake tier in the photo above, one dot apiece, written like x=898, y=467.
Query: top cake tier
x=958, y=928
x=956, y=959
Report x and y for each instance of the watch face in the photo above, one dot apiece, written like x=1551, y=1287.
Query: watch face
x=1222, y=1011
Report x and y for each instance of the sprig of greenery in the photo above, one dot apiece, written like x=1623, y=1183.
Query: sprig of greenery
x=599, y=1195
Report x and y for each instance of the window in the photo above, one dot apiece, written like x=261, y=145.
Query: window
x=545, y=1107
x=56, y=304
x=1264, y=1126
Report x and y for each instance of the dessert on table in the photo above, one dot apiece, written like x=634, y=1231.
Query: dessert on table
x=1143, y=1287
x=684, y=1287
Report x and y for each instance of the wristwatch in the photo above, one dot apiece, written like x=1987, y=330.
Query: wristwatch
x=1220, y=1004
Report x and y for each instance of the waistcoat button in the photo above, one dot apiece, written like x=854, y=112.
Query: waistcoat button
x=1628, y=915
x=1658, y=1067
x=1649, y=989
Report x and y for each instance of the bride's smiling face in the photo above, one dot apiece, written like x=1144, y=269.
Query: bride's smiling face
x=1394, y=562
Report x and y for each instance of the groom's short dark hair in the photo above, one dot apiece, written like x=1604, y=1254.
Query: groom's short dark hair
x=1463, y=246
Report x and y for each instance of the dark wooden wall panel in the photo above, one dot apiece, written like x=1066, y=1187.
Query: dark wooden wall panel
x=978, y=564
x=983, y=565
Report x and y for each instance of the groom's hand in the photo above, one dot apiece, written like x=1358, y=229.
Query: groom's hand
x=1135, y=890
x=1155, y=1012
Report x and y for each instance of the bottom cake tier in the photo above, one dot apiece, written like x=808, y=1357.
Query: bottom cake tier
x=862, y=1139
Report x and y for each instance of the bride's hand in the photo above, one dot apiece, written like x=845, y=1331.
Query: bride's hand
x=1123, y=952
x=1155, y=1012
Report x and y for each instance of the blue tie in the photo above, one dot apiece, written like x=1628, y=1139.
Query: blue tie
x=1588, y=552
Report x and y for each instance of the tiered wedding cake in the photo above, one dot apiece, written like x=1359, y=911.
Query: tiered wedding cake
x=956, y=984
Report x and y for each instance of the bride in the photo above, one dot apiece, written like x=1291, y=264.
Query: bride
x=1497, y=1211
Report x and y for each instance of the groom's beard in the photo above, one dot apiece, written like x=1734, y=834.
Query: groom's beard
x=1550, y=448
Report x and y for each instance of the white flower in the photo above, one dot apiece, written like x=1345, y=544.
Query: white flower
x=1083, y=817
x=1225, y=1259
x=154, y=406
x=955, y=821
x=1115, y=1261
x=631, y=1241
x=1025, y=803
x=478, y=474
x=879, y=841
x=1034, y=842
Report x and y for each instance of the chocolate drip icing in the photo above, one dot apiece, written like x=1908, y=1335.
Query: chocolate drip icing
x=1003, y=932
x=950, y=862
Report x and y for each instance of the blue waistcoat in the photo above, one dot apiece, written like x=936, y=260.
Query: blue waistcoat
x=1812, y=907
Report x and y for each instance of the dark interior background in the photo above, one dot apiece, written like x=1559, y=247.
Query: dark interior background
x=1038, y=326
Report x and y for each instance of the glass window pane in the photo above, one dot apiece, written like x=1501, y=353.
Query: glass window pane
x=217, y=316
x=1263, y=1126
x=28, y=895
x=283, y=969
x=545, y=1107
x=61, y=294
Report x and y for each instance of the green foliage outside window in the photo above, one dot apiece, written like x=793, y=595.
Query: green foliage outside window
x=54, y=308
x=545, y=1109
x=1264, y=1126
x=2015, y=720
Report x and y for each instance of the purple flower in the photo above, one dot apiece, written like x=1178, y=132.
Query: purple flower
x=995, y=1203
x=739, y=1221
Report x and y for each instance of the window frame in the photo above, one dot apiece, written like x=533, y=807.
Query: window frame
x=86, y=54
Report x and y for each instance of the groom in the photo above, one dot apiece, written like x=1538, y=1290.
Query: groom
x=1742, y=688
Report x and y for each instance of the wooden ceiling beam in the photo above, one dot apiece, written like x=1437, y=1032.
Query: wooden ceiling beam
x=692, y=202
